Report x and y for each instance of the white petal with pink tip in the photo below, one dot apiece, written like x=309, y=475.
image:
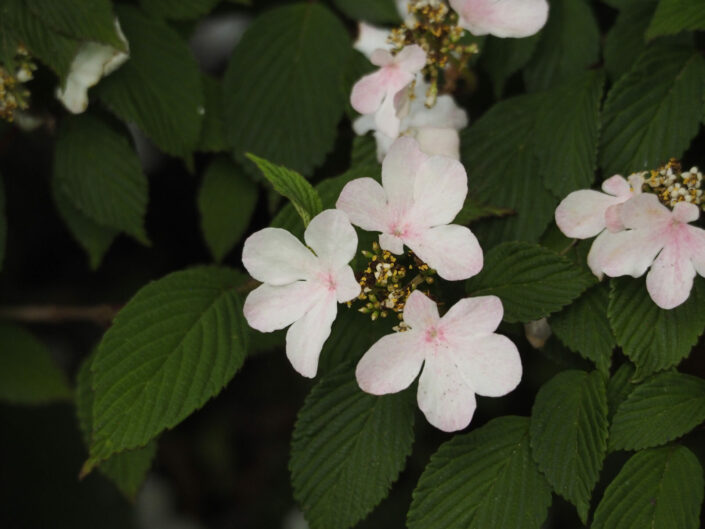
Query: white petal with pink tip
x=502, y=18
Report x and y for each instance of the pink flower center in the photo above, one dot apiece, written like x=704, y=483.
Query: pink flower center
x=328, y=281
x=434, y=335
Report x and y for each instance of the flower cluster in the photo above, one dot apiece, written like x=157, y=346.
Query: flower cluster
x=13, y=95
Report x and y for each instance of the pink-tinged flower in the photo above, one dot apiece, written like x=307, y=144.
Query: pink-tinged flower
x=460, y=353
x=419, y=197
x=300, y=287
x=585, y=213
x=375, y=93
x=502, y=18
x=371, y=38
x=659, y=238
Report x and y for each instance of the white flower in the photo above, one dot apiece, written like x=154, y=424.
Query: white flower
x=300, y=287
x=501, y=18
x=371, y=38
x=460, y=353
x=419, y=197
x=92, y=62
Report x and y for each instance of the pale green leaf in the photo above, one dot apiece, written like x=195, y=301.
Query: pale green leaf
x=674, y=16
x=226, y=201
x=372, y=11
x=481, y=480
x=625, y=40
x=654, y=338
x=159, y=87
x=175, y=345
x=583, y=326
x=501, y=58
x=293, y=186
x=97, y=169
x=661, y=488
x=653, y=112
x=281, y=88
x=178, y=9
x=569, y=434
x=666, y=406
x=531, y=281
x=28, y=374
x=347, y=449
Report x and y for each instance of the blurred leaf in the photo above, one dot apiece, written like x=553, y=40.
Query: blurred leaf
x=347, y=449
x=128, y=469
x=501, y=58
x=619, y=387
x=568, y=45
x=98, y=171
x=674, y=16
x=625, y=40
x=178, y=9
x=293, y=186
x=364, y=151
x=583, y=326
x=372, y=11
x=654, y=338
x=28, y=375
x=159, y=88
x=3, y=223
x=569, y=434
x=653, y=112
x=481, y=480
x=531, y=281
x=658, y=488
x=175, y=345
x=214, y=137
x=79, y=19
x=568, y=131
x=666, y=406
x=281, y=88
x=226, y=201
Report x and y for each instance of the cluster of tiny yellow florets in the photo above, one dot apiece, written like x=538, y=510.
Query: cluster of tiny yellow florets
x=384, y=288
x=672, y=185
x=13, y=95
x=434, y=26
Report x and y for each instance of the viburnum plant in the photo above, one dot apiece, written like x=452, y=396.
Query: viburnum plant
x=405, y=189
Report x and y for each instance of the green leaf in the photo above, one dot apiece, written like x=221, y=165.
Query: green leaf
x=625, y=40
x=348, y=448
x=501, y=58
x=175, y=345
x=480, y=480
x=619, y=387
x=128, y=469
x=583, y=327
x=364, y=151
x=568, y=131
x=674, y=16
x=500, y=149
x=569, y=44
x=293, y=186
x=214, y=136
x=532, y=281
x=473, y=211
x=666, y=406
x=96, y=168
x=178, y=9
x=653, y=112
x=28, y=374
x=93, y=20
x=569, y=434
x=159, y=88
x=282, y=96
x=654, y=338
x=657, y=488
x=3, y=223
x=226, y=201
x=372, y=11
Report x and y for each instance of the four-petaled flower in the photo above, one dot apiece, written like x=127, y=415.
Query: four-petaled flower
x=501, y=18
x=460, y=353
x=300, y=287
x=419, y=197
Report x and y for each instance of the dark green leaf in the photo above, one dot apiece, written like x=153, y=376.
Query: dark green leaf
x=373, y=11
x=501, y=58
x=178, y=9
x=214, y=136
x=364, y=151
x=3, y=223
x=347, y=449
x=282, y=96
x=657, y=488
x=532, y=281
x=625, y=41
x=473, y=211
x=569, y=434
x=481, y=480
x=619, y=387
x=674, y=16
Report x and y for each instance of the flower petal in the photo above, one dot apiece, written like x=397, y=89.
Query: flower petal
x=617, y=186
x=332, y=237
x=443, y=142
x=305, y=338
x=275, y=256
x=411, y=59
x=686, y=212
x=444, y=114
x=671, y=277
x=440, y=189
x=420, y=312
x=369, y=92
x=444, y=397
x=269, y=308
x=581, y=214
x=625, y=253
x=347, y=287
x=645, y=211
x=490, y=363
x=370, y=38
x=399, y=172
x=697, y=236
x=364, y=202
x=502, y=18
x=613, y=218
x=391, y=243
x=452, y=250
x=472, y=317
x=386, y=119
x=391, y=364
